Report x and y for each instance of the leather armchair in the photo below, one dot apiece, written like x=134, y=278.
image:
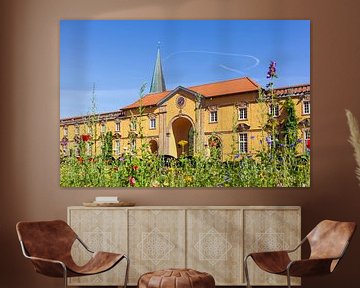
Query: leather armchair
x=48, y=245
x=328, y=242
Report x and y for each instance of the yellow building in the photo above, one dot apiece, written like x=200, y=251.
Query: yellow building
x=226, y=114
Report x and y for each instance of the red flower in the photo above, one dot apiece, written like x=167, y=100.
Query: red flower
x=132, y=181
x=80, y=159
x=135, y=167
x=308, y=143
x=212, y=144
x=85, y=137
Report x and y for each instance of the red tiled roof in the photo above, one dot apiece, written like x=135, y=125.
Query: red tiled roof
x=148, y=100
x=293, y=90
x=239, y=85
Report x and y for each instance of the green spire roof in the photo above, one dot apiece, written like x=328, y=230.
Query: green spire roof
x=157, y=82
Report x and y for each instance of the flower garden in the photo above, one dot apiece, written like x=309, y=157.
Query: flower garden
x=277, y=164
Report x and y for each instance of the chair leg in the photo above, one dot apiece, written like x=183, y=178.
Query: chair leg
x=246, y=272
x=65, y=276
x=127, y=271
x=288, y=278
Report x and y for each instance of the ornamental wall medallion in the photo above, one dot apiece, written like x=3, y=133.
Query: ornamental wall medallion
x=180, y=102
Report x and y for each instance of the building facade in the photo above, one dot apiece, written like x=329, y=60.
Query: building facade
x=227, y=115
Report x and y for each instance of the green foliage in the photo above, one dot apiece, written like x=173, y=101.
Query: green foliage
x=290, y=124
x=149, y=170
x=106, y=147
x=272, y=166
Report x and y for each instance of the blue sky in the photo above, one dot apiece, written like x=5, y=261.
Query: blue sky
x=119, y=56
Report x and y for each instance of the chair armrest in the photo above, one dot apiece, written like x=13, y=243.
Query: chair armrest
x=309, y=267
x=48, y=267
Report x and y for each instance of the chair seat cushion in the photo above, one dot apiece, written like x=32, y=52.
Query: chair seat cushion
x=99, y=262
x=176, y=278
x=272, y=262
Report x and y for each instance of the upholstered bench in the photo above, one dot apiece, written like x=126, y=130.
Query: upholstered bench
x=176, y=278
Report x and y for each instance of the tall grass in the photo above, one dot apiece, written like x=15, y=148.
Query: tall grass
x=275, y=165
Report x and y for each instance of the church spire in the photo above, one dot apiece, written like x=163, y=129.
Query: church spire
x=157, y=82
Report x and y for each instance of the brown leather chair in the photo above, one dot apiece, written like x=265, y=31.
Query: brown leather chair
x=48, y=245
x=328, y=242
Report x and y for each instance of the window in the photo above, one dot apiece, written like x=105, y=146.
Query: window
x=89, y=130
x=274, y=110
x=103, y=128
x=270, y=140
x=77, y=151
x=243, y=143
x=88, y=148
x=133, y=145
x=242, y=113
x=65, y=149
x=65, y=131
x=213, y=116
x=117, y=127
x=77, y=129
x=152, y=123
x=306, y=139
x=133, y=125
x=306, y=107
x=117, y=147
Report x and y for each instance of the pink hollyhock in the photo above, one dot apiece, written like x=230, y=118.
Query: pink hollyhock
x=132, y=181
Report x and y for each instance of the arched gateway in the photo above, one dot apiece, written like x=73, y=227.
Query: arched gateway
x=181, y=136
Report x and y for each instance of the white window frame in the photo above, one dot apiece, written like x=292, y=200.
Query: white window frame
x=307, y=136
x=89, y=129
x=272, y=141
x=77, y=150
x=243, y=143
x=274, y=110
x=133, y=125
x=77, y=130
x=65, y=149
x=117, y=147
x=133, y=144
x=152, y=123
x=103, y=128
x=306, y=107
x=241, y=114
x=213, y=116
x=66, y=131
x=88, y=148
x=117, y=126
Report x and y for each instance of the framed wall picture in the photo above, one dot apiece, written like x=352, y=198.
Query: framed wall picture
x=185, y=103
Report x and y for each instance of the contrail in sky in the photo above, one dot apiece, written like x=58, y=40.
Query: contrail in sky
x=231, y=69
x=257, y=61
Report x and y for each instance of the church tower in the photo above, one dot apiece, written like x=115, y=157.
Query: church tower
x=158, y=82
